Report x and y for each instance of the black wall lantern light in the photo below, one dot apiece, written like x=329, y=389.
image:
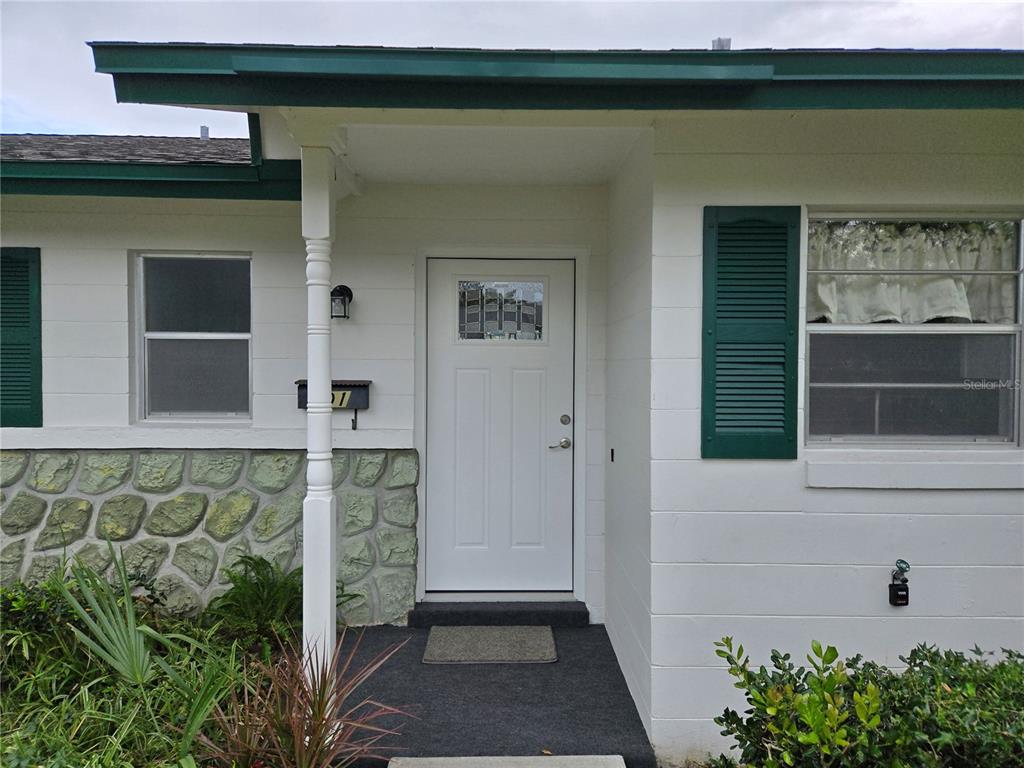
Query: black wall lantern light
x=341, y=297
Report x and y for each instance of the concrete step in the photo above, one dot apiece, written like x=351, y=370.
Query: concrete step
x=569, y=613
x=541, y=761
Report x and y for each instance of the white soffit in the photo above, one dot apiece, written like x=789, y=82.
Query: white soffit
x=419, y=154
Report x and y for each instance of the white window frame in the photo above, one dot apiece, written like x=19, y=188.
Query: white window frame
x=142, y=336
x=1016, y=330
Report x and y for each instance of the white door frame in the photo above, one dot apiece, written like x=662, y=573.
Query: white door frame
x=581, y=256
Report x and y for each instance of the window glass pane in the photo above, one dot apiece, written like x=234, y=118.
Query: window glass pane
x=864, y=258
x=942, y=412
x=912, y=385
x=198, y=375
x=496, y=309
x=197, y=295
x=837, y=411
x=909, y=358
x=916, y=412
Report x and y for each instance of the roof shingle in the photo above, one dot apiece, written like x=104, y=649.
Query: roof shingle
x=178, y=150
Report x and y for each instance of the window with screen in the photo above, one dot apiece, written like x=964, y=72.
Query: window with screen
x=196, y=323
x=914, y=330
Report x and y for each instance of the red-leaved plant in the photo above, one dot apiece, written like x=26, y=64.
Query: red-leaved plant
x=301, y=711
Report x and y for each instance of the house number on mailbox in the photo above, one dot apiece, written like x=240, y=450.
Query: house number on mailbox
x=346, y=394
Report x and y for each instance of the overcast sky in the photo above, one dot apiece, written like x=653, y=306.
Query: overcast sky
x=48, y=83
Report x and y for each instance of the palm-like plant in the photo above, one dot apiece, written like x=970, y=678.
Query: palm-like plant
x=114, y=634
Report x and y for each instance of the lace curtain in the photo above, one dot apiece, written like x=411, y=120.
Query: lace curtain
x=887, y=298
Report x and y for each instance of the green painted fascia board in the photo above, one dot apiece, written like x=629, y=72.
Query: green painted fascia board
x=272, y=190
x=20, y=169
x=400, y=94
x=266, y=75
x=116, y=57
x=273, y=180
x=281, y=170
x=255, y=139
x=593, y=71
x=214, y=59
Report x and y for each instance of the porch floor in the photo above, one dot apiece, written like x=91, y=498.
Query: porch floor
x=577, y=706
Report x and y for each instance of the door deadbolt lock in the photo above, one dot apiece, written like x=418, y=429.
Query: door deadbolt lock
x=565, y=442
x=565, y=418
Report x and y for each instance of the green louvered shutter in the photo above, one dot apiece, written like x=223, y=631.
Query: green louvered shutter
x=751, y=279
x=21, y=365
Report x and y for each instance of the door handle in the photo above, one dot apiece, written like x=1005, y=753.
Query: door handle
x=565, y=442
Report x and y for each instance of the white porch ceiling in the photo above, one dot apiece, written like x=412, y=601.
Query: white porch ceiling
x=421, y=154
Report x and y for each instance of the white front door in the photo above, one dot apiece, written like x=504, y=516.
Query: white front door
x=499, y=463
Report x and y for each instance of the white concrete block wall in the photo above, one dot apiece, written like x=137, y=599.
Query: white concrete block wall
x=86, y=243
x=391, y=225
x=627, y=422
x=87, y=344
x=749, y=548
x=597, y=317
x=85, y=371
x=87, y=324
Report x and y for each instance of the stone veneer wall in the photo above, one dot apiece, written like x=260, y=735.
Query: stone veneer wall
x=184, y=516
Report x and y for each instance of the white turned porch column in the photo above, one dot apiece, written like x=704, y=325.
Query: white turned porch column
x=319, y=509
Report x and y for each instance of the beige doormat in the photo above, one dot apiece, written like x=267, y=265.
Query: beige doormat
x=490, y=645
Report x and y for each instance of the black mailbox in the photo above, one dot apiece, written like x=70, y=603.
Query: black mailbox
x=346, y=395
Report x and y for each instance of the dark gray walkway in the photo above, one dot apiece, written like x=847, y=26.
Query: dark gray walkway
x=577, y=706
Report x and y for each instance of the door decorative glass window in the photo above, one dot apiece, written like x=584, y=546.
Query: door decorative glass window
x=501, y=310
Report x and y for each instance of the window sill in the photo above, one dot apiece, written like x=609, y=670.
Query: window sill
x=214, y=437
x=212, y=422
x=930, y=468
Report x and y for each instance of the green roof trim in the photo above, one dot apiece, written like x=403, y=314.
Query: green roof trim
x=255, y=139
x=192, y=74
x=271, y=180
x=259, y=180
x=594, y=71
x=279, y=75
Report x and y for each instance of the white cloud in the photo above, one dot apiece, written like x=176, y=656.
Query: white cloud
x=48, y=83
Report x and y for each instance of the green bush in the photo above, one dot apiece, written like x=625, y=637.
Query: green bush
x=99, y=687
x=263, y=604
x=34, y=620
x=37, y=608
x=95, y=677
x=946, y=709
x=263, y=601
